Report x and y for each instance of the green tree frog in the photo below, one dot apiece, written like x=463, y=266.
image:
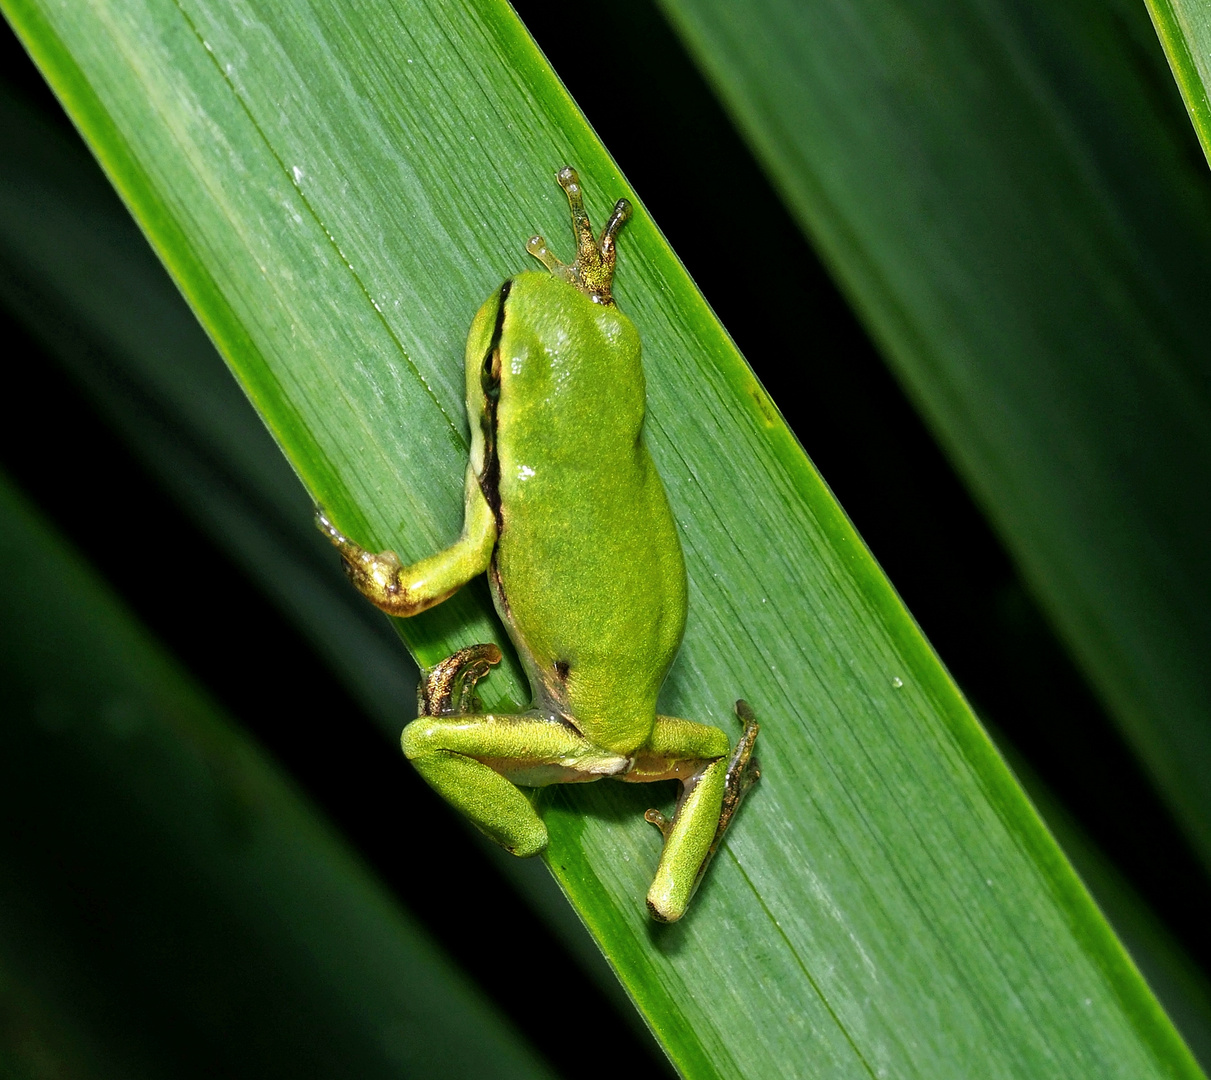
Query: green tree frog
x=566, y=514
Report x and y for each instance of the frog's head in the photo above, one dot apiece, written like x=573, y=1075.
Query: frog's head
x=593, y=270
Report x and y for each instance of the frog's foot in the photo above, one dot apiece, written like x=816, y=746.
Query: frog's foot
x=593, y=270
x=449, y=688
x=743, y=770
x=376, y=575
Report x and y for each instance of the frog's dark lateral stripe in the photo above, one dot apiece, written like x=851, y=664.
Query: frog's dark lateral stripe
x=489, y=380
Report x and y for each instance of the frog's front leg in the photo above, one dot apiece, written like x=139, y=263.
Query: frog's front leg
x=408, y=590
x=713, y=785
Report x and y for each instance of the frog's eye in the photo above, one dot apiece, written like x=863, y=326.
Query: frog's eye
x=593, y=270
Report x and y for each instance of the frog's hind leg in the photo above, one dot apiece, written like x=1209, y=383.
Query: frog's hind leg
x=476, y=760
x=498, y=809
x=449, y=687
x=713, y=786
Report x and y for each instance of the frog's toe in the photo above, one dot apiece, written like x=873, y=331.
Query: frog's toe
x=324, y=523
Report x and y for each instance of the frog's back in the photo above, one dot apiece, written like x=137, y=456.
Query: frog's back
x=588, y=571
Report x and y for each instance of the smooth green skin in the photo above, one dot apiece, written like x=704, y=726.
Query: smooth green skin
x=567, y=515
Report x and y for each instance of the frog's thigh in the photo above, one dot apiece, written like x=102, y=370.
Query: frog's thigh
x=677, y=750
x=677, y=739
x=474, y=762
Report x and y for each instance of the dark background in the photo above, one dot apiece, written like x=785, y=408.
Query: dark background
x=704, y=188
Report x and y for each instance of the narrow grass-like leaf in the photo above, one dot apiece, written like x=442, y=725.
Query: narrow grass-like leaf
x=1184, y=27
x=1008, y=195
x=336, y=189
x=171, y=907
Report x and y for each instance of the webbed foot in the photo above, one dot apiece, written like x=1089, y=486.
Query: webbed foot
x=449, y=688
